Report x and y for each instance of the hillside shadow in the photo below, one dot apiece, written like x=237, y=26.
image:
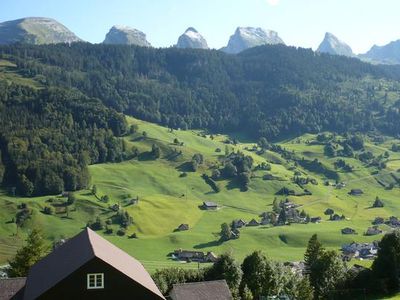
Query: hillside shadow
x=208, y=244
x=137, y=139
x=235, y=184
x=185, y=167
x=145, y=156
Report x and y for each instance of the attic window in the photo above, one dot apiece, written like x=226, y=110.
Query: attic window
x=95, y=281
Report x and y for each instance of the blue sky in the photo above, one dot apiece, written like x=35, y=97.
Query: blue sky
x=360, y=23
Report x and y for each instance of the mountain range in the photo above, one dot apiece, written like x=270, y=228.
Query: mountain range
x=38, y=30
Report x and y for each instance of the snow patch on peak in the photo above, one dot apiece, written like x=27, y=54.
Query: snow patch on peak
x=248, y=37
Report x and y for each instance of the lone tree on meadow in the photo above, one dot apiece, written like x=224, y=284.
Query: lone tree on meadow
x=378, y=203
x=225, y=233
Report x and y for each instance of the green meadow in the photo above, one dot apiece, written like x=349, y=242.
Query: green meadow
x=166, y=199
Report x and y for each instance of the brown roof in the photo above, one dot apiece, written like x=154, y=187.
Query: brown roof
x=206, y=290
x=76, y=252
x=9, y=288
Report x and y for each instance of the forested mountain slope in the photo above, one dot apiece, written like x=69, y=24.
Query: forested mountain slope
x=49, y=136
x=69, y=119
x=267, y=91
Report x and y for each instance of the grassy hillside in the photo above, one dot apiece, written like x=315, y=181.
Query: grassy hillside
x=166, y=199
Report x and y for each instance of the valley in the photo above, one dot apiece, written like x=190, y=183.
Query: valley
x=166, y=199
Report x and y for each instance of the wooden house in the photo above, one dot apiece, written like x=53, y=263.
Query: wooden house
x=374, y=230
x=211, y=257
x=356, y=192
x=315, y=219
x=89, y=267
x=206, y=290
x=348, y=230
x=188, y=255
x=183, y=227
x=253, y=222
x=238, y=223
x=207, y=205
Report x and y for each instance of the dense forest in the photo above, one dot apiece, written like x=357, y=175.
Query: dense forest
x=267, y=91
x=48, y=136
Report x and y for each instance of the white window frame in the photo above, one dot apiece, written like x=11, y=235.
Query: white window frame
x=95, y=276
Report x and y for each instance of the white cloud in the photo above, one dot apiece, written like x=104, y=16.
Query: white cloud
x=273, y=2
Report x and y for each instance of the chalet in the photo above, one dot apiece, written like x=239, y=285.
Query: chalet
x=253, y=222
x=293, y=216
x=188, y=255
x=378, y=221
x=197, y=256
x=211, y=257
x=335, y=217
x=287, y=204
x=205, y=290
x=87, y=267
x=374, y=230
x=340, y=185
x=265, y=220
x=183, y=227
x=366, y=254
x=235, y=234
x=356, y=192
x=209, y=205
x=238, y=223
x=393, y=222
x=315, y=220
x=348, y=230
x=360, y=250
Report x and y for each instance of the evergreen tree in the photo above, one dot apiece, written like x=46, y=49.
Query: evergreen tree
x=226, y=268
x=282, y=217
x=328, y=273
x=254, y=268
x=304, y=290
x=94, y=190
x=386, y=266
x=33, y=250
x=313, y=251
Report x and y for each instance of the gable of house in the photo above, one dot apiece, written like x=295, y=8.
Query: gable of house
x=63, y=266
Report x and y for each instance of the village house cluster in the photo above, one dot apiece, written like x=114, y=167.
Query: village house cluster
x=359, y=251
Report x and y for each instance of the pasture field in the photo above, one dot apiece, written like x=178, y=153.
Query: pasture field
x=168, y=199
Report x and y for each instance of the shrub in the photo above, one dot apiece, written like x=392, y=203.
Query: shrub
x=121, y=232
x=48, y=210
